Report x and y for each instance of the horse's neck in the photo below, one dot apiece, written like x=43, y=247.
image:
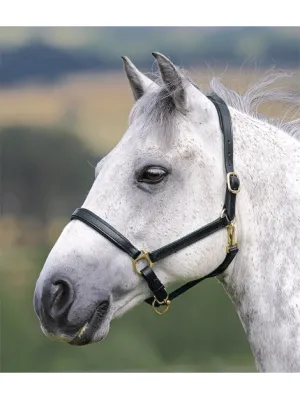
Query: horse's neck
x=264, y=281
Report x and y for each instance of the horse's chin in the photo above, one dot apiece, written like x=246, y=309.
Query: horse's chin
x=127, y=304
x=86, y=338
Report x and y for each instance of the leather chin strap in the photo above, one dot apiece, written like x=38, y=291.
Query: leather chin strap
x=227, y=219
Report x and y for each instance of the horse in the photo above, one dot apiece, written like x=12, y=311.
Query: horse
x=162, y=186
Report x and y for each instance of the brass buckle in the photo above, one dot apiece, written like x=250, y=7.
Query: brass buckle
x=166, y=302
x=143, y=255
x=224, y=215
x=231, y=242
x=229, y=184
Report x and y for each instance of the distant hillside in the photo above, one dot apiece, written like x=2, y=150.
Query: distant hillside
x=47, y=54
x=44, y=63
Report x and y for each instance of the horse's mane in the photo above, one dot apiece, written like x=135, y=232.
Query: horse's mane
x=270, y=88
x=267, y=89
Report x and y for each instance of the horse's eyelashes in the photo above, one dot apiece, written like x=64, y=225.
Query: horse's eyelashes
x=152, y=175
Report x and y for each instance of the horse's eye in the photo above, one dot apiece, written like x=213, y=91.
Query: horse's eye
x=153, y=175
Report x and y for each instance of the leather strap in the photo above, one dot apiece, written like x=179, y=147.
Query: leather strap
x=188, y=240
x=102, y=227
x=155, y=285
x=226, y=127
x=219, y=270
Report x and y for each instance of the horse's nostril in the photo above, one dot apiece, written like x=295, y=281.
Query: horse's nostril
x=62, y=298
x=56, y=300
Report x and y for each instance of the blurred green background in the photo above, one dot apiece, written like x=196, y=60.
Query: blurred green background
x=64, y=103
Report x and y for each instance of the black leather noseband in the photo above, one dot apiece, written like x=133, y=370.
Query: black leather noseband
x=227, y=219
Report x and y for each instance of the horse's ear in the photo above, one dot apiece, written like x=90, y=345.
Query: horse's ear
x=175, y=82
x=139, y=82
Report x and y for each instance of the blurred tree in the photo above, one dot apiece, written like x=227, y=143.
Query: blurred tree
x=43, y=174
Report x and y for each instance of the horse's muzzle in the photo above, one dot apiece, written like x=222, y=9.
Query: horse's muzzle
x=63, y=317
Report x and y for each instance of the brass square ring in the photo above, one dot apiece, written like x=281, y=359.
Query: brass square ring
x=143, y=255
